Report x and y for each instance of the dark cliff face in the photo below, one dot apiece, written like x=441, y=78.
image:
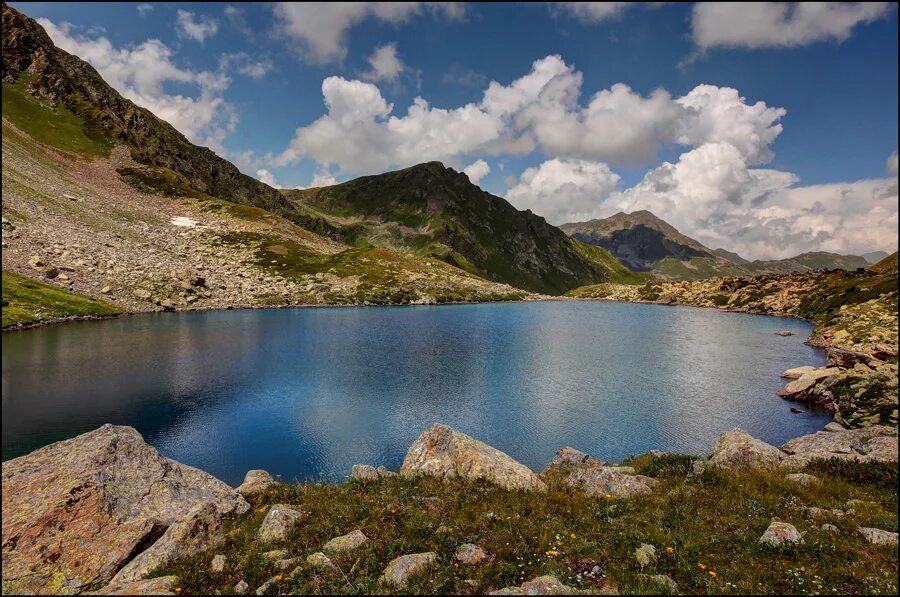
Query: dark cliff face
x=639, y=248
x=480, y=232
x=60, y=78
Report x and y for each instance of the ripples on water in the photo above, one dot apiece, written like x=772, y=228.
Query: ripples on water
x=307, y=393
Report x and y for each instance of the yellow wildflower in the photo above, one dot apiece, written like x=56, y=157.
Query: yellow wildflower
x=712, y=573
x=573, y=536
x=278, y=577
x=701, y=566
x=552, y=552
x=670, y=550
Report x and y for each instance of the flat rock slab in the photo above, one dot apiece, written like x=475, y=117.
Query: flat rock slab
x=279, y=522
x=74, y=512
x=399, y=570
x=609, y=481
x=877, y=442
x=542, y=585
x=878, y=536
x=736, y=449
x=163, y=585
x=348, y=542
x=446, y=453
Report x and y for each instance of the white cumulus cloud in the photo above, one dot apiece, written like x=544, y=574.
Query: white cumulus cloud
x=199, y=29
x=267, y=177
x=892, y=163
x=476, y=171
x=779, y=24
x=385, y=64
x=143, y=8
x=592, y=12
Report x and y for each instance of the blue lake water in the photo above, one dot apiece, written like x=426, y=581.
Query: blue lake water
x=307, y=393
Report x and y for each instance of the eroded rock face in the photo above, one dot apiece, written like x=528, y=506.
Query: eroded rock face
x=738, y=450
x=399, y=570
x=446, y=453
x=255, y=481
x=200, y=529
x=76, y=511
x=878, y=442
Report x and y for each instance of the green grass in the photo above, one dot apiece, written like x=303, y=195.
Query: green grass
x=55, y=126
x=843, y=288
x=28, y=301
x=159, y=180
x=711, y=522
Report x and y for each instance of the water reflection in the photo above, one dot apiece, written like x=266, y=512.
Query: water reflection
x=310, y=392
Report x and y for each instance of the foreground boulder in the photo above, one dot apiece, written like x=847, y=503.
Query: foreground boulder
x=878, y=443
x=347, y=542
x=542, y=585
x=163, y=585
x=738, y=450
x=596, y=477
x=77, y=511
x=365, y=472
x=781, y=533
x=279, y=522
x=200, y=529
x=446, y=453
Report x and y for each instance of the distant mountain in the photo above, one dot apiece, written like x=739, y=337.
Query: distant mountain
x=874, y=257
x=434, y=211
x=645, y=243
x=888, y=265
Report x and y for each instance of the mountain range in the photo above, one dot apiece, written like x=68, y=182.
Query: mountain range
x=104, y=199
x=645, y=243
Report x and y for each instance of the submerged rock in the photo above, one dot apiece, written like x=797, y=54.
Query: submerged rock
x=738, y=450
x=255, y=481
x=877, y=442
x=446, y=453
x=77, y=511
x=399, y=570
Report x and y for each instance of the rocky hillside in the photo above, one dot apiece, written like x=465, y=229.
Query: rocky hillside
x=817, y=515
x=645, y=243
x=434, y=211
x=856, y=320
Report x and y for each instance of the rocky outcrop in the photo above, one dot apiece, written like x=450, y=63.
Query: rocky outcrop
x=596, y=477
x=364, y=472
x=811, y=387
x=878, y=442
x=255, y=481
x=736, y=449
x=470, y=554
x=77, y=511
x=163, y=585
x=446, y=453
x=878, y=536
x=399, y=570
x=565, y=458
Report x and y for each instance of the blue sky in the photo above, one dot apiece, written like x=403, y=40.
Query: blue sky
x=242, y=78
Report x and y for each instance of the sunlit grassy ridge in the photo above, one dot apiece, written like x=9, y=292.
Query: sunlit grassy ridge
x=28, y=301
x=705, y=530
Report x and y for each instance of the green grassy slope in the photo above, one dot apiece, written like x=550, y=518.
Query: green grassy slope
x=28, y=301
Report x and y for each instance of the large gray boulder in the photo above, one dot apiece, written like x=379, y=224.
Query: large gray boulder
x=446, y=453
x=77, y=511
x=736, y=449
x=255, y=481
x=596, y=477
x=877, y=442
x=279, y=522
x=399, y=570
x=542, y=585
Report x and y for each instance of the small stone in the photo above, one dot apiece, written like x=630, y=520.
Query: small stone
x=780, y=533
x=830, y=528
x=878, y=536
x=286, y=563
x=347, y=542
x=319, y=560
x=279, y=522
x=105, y=290
x=801, y=478
x=470, y=554
x=36, y=262
x=218, y=563
x=142, y=293
x=736, y=449
x=784, y=333
x=266, y=586
x=645, y=554
x=241, y=587
x=399, y=570
x=542, y=585
x=663, y=582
